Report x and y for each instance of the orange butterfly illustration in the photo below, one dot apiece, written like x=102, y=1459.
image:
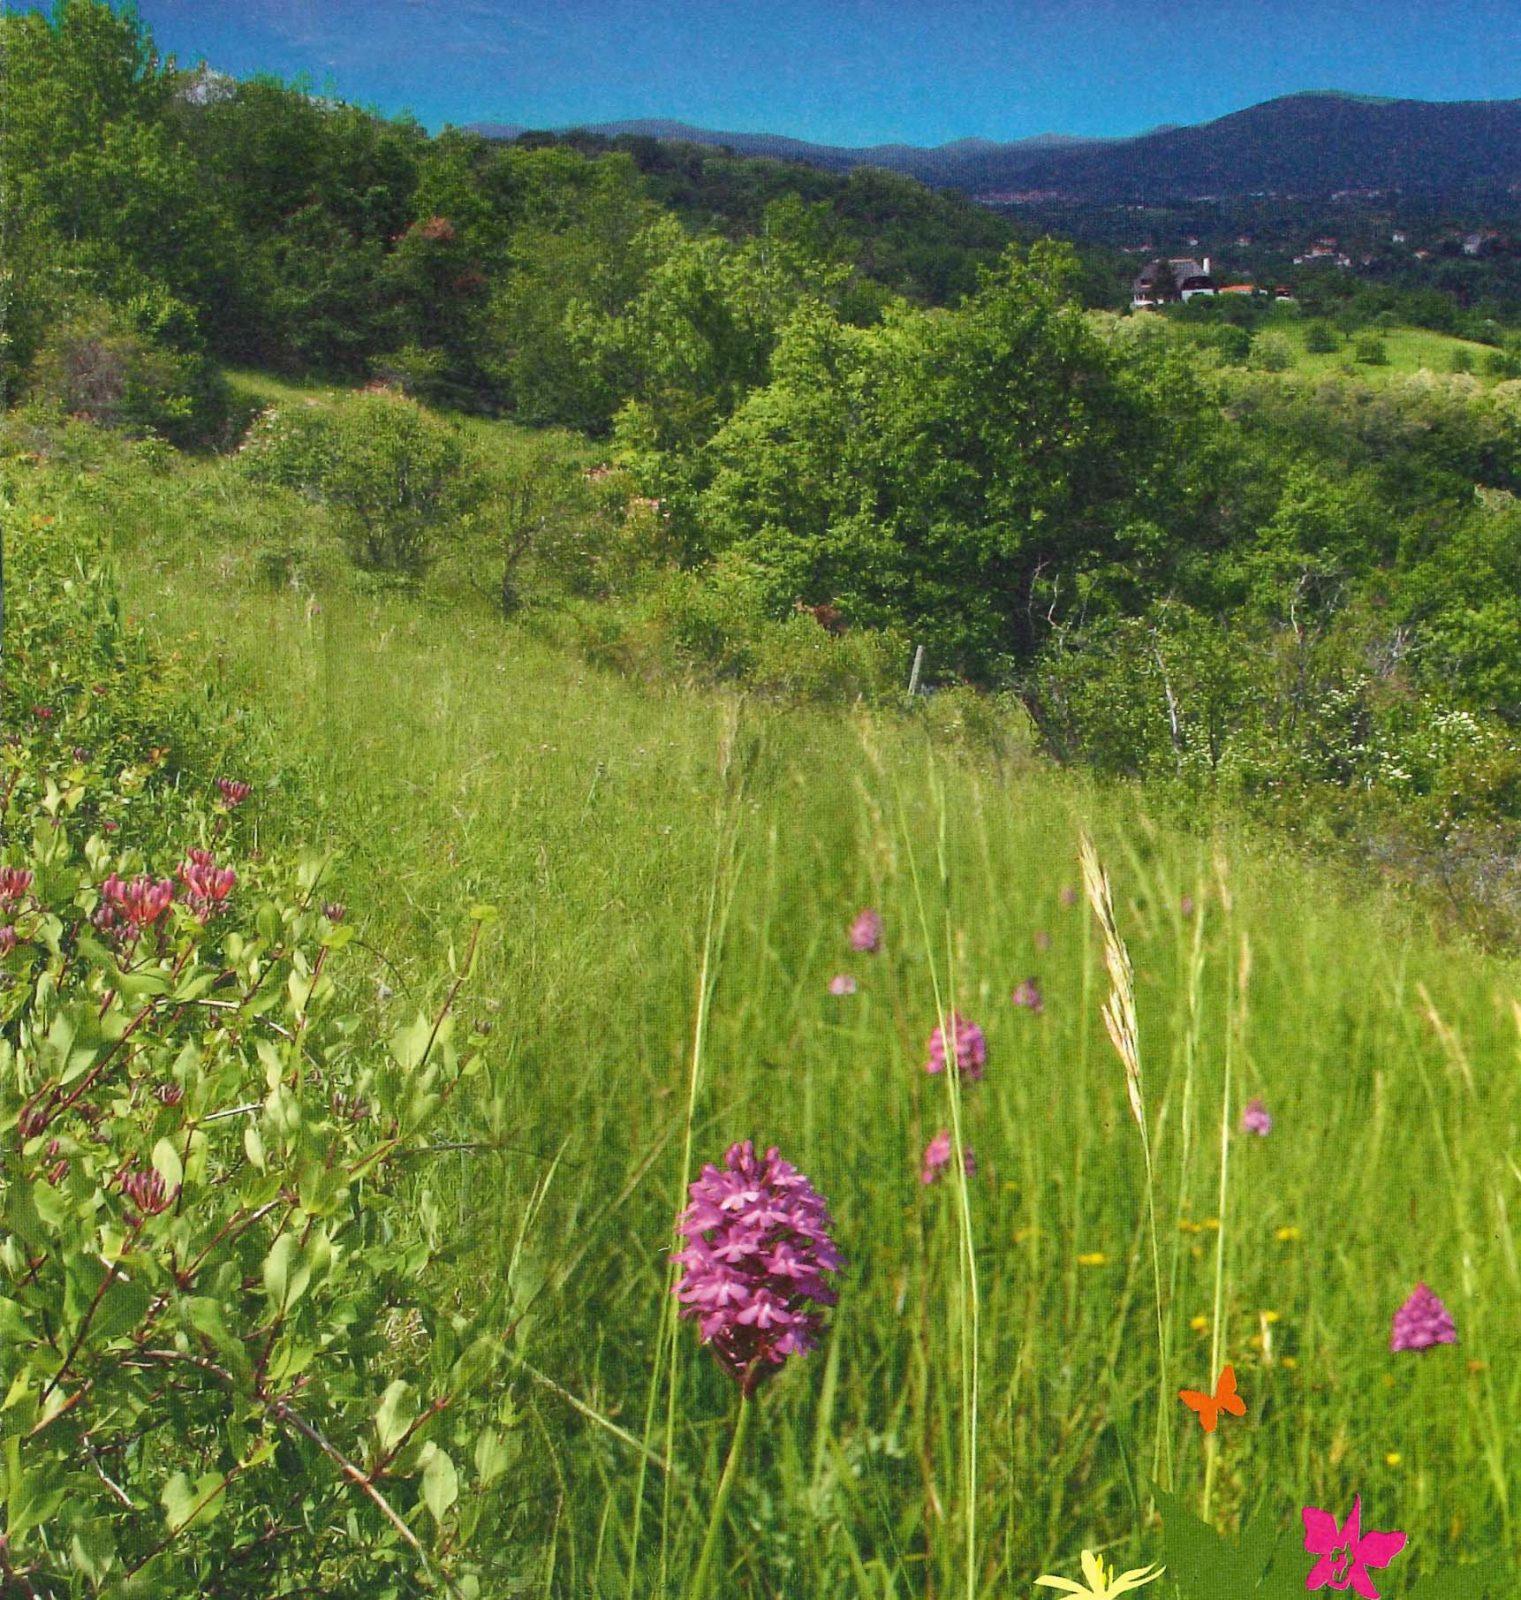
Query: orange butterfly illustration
x=1209, y=1406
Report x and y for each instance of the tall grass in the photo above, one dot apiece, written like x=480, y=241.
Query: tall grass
x=649, y=1003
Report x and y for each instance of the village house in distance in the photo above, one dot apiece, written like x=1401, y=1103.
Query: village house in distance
x=1163, y=281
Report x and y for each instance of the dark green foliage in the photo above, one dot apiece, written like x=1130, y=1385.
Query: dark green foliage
x=135, y=368
x=1320, y=338
x=959, y=475
x=1370, y=349
x=394, y=477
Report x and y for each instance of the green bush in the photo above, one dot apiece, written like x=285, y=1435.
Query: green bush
x=394, y=477
x=230, y=1362
x=1320, y=338
x=98, y=363
x=1370, y=349
x=1271, y=352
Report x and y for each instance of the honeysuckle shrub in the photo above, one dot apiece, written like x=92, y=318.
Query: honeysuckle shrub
x=231, y=1360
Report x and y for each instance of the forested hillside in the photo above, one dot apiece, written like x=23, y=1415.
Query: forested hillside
x=837, y=404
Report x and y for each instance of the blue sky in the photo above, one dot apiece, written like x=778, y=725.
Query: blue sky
x=855, y=71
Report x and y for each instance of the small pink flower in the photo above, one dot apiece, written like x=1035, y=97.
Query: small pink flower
x=7, y=940
x=14, y=883
x=1186, y=906
x=1256, y=1118
x=1042, y=940
x=1346, y=1552
x=970, y=1044
x=1027, y=994
x=139, y=902
x=842, y=983
x=1423, y=1321
x=207, y=886
x=866, y=932
x=937, y=1157
x=147, y=1191
x=1069, y=896
x=233, y=792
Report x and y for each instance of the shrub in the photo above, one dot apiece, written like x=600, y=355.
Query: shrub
x=98, y=363
x=1320, y=338
x=1370, y=349
x=394, y=476
x=225, y=1342
x=1272, y=352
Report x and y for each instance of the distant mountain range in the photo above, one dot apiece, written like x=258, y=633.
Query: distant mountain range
x=1303, y=144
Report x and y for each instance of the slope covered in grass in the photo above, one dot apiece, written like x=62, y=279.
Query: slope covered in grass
x=676, y=874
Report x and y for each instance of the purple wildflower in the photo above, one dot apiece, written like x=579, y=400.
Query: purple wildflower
x=971, y=1048
x=866, y=932
x=1256, y=1118
x=7, y=939
x=842, y=983
x=1027, y=994
x=1422, y=1322
x=1042, y=940
x=937, y=1157
x=1069, y=896
x=758, y=1246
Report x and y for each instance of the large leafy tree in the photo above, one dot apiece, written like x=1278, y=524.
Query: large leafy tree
x=970, y=474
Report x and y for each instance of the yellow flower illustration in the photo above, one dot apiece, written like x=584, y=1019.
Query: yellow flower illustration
x=1103, y=1584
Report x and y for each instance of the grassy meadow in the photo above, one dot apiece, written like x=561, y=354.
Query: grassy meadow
x=676, y=873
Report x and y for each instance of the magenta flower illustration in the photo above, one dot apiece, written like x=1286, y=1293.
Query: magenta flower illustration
x=1256, y=1118
x=1027, y=994
x=866, y=932
x=970, y=1043
x=1422, y=1322
x=842, y=983
x=758, y=1246
x=937, y=1157
x=1346, y=1552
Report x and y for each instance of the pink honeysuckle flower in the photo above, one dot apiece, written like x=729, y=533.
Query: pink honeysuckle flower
x=207, y=885
x=14, y=884
x=866, y=932
x=937, y=1157
x=842, y=983
x=969, y=1043
x=139, y=901
x=1346, y=1552
x=1423, y=1321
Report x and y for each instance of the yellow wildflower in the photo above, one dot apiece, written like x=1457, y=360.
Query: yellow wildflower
x=1270, y=1316
x=1289, y=1362
x=1103, y=1583
x=1288, y=1235
x=1393, y=1459
x=1210, y=1225
x=1093, y=1258
x=1199, y=1324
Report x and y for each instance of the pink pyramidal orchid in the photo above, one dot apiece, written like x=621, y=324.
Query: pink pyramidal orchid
x=1346, y=1552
